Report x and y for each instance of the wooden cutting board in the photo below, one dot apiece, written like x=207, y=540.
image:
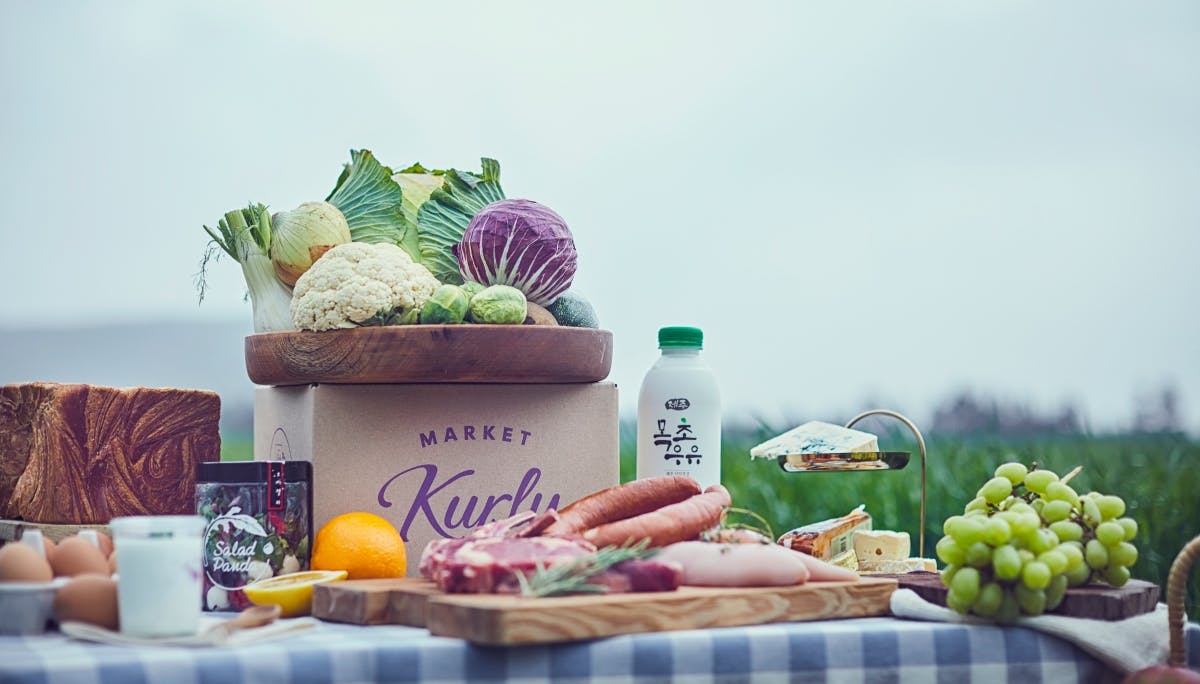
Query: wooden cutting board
x=431, y=353
x=1096, y=601
x=400, y=601
x=495, y=619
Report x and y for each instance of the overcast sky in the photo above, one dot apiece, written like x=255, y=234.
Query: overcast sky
x=886, y=203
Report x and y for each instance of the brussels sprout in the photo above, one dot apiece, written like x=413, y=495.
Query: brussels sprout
x=498, y=304
x=409, y=317
x=472, y=288
x=447, y=304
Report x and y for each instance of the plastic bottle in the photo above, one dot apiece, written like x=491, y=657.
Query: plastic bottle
x=679, y=411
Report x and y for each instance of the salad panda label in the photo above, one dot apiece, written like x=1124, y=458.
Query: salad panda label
x=259, y=523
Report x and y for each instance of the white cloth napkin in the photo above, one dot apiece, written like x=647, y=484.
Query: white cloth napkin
x=206, y=635
x=1127, y=645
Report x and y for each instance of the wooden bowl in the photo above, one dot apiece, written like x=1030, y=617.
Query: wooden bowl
x=431, y=354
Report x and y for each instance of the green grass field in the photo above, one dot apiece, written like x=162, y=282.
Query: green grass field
x=1157, y=475
x=237, y=447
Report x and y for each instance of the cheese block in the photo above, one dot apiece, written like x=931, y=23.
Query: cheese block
x=828, y=538
x=846, y=559
x=815, y=437
x=881, y=545
x=896, y=567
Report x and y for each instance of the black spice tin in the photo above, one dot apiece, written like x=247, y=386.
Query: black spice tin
x=259, y=524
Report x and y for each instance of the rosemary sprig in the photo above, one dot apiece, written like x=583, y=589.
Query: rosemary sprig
x=718, y=534
x=766, y=526
x=572, y=578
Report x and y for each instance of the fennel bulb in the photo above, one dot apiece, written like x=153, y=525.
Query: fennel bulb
x=300, y=236
x=245, y=235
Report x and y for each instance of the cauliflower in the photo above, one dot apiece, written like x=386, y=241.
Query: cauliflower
x=355, y=281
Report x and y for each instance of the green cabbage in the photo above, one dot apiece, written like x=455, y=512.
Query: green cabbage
x=423, y=211
x=417, y=183
x=443, y=218
x=372, y=203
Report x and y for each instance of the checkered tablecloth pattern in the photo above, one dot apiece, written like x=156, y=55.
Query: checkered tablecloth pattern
x=862, y=650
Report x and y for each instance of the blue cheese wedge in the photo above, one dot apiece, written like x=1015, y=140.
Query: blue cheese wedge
x=815, y=437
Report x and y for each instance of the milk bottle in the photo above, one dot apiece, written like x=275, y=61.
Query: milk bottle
x=679, y=411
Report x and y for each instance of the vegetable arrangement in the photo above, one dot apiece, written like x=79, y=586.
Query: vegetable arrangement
x=424, y=246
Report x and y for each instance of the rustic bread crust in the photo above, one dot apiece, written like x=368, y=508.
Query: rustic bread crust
x=84, y=454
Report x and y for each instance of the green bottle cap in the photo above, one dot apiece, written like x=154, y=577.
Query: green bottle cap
x=678, y=336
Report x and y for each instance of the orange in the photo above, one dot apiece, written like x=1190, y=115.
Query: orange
x=363, y=544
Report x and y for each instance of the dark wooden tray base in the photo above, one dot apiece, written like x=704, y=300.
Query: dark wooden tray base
x=1096, y=601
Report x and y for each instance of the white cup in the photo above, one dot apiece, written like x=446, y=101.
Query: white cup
x=158, y=576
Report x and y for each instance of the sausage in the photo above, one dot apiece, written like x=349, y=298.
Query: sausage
x=623, y=501
x=681, y=521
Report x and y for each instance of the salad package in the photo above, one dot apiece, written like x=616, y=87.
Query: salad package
x=259, y=524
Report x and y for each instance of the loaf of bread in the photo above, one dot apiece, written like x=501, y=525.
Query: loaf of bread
x=84, y=454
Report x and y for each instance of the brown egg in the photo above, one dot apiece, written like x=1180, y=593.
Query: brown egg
x=78, y=556
x=20, y=563
x=49, y=545
x=88, y=598
x=112, y=563
x=106, y=543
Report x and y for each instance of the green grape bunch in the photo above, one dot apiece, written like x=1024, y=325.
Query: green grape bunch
x=1026, y=537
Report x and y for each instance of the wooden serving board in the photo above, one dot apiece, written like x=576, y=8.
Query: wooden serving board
x=431, y=353
x=499, y=619
x=400, y=601
x=1096, y=601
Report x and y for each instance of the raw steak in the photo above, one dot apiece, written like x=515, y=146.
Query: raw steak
x=490, y=566
x=438, y=551
x=643, y=574
x=489, y=560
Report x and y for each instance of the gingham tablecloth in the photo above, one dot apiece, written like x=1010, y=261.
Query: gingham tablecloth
x=861, y=650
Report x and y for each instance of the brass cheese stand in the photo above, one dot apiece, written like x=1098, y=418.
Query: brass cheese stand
x=882, y=460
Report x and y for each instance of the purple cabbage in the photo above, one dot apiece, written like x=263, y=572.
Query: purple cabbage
x=520, y=243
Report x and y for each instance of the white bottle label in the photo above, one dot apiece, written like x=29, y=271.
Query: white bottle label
x=679, y=423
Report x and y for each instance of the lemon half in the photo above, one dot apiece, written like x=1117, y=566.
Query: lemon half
x=291, y=592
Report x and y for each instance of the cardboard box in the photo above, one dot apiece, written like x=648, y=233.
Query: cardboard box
x=440, y=459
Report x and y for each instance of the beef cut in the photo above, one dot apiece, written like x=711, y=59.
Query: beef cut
x=490, y=566
x=640, y=574
x=489, y=560
x=84, y=454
